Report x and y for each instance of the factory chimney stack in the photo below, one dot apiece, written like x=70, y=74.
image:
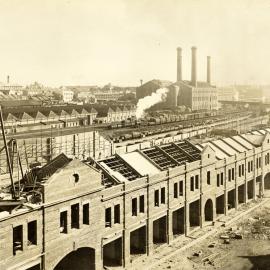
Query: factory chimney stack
x=179, y=64
x=209, y=69
x=194, y=67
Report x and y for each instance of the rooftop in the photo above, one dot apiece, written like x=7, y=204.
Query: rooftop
x=150, y=161
x=124, y=167
x=34, y=111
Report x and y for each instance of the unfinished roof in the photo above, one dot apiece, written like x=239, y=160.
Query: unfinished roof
x=176, y=153
x=117, y=164
x=111, y=175
x=173, y=154
x=50, y=168
x=162, y=160
x=150, y=161
x=140, y=163
x=190, y=149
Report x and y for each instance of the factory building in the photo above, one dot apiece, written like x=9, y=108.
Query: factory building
x=116, y=213
x=194, y=94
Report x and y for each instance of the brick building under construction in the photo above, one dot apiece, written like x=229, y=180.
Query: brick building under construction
x=114, y=212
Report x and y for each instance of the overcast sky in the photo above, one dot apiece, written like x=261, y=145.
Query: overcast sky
x=59, y=42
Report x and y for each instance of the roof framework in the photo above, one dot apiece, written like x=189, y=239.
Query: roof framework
x=190, y=149
x=177, y=153
x=55, y=164
x=117, y=164
x=174, y=151
x=160, y=158
x=171, y=155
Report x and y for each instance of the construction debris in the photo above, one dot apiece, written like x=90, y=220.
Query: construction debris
x=212, y=245
x=198, y=254
x=226, y=241
x=238, y=236
x=223, y=236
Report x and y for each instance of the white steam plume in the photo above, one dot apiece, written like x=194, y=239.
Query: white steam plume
x=148, y=101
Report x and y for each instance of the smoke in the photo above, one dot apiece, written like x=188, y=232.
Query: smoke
x=148, y=101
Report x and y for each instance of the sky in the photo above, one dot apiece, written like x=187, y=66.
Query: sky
x=94, y=42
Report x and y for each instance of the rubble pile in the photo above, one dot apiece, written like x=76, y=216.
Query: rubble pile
x=214, y=253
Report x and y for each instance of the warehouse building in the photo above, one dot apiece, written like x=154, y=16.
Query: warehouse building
x=27, y=118
x=117, y=212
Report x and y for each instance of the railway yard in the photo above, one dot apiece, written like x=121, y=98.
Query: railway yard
x=132, y=130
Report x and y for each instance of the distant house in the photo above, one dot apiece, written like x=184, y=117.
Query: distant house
x=34, y=89
x=86, y=96
x=107, y=95
x=11, y=89
x=67, y=95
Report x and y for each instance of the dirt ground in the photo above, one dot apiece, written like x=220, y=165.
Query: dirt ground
x=247, y=247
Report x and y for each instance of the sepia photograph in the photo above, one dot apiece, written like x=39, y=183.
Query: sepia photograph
x=135, y=135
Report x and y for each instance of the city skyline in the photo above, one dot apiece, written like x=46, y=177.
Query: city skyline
x=82, y=42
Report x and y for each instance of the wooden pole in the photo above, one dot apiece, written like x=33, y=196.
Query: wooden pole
x=7, y=155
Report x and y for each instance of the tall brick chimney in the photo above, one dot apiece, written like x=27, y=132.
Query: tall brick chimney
x=179, y=64
x=194, y=67
x=7, y=78
x=209, y=69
